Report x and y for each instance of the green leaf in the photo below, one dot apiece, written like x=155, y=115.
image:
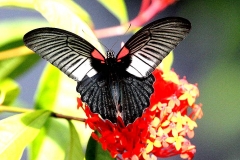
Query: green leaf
x=11, y=37
x=15, y=67
x=75, y=150
x=18, y=131
x=167, y=62
x=12, y=33
x=60, y=14
x=117, y=8
x=84, y=133
x=52, y=142
x=57, y=92
x=37, y=4
x=48, y=88
x=17, y=3
x=9, y=89
x=95, y=151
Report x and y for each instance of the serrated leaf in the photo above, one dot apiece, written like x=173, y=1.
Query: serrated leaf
x=10, y=90
x=95, y=151
x=117, y=8
x=52, y=142
x=18, y=131
x=75, y=150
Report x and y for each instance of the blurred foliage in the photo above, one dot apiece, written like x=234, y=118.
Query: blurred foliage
x=215, y=40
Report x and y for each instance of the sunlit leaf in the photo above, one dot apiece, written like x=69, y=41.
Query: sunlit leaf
x=16, y=66
x=52, y=142
x=11, y=37
x=17, y=3
x=117, y=8
x=57, y=92
x=60, y=14
x=10, y=32
x=9, y=90
x=84, y=133
x=75, y=150
x=18, y=131
x=31, y=4
x=167, y=62
x=48, y=88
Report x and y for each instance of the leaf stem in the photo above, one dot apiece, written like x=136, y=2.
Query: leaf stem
x=14, y=109
x=24, y=110
x=58, y=115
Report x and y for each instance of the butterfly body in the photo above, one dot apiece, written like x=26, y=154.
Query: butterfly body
x=111, y=85
x=116, y=87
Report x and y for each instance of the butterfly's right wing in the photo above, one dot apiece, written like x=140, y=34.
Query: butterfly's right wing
x=65, y=50
x=135, y=96
x=151, y=44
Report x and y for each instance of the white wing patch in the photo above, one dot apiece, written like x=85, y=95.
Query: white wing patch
x=65, y=50
x=151, y=44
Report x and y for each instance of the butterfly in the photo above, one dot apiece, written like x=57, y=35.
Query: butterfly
x=111, y=85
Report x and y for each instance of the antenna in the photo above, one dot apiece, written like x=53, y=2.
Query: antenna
x=119, y=37
x=95, y=40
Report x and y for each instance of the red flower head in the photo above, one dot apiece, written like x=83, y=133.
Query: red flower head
x=163, y=130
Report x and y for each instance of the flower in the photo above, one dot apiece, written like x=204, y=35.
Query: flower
x=163, y=130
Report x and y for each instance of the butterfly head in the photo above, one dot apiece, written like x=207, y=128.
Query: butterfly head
x=110, y=58
x=110, y=54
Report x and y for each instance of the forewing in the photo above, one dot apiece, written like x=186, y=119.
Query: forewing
x=151, y=44
x=65, y=50
x=135, y=96
x=95, y=92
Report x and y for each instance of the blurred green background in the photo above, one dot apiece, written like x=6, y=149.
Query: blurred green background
x=209, y=56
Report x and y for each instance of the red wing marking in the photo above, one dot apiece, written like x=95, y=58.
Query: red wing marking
x=96, y=54
x=124, y=51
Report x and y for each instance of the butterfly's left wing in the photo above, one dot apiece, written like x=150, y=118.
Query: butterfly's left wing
x=96, y=93
x=70, y=53
x=151, y=44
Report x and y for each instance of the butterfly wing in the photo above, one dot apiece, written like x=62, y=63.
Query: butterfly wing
x=135, y=95
x=95, y=92
x=65, y=50
x=151, y=44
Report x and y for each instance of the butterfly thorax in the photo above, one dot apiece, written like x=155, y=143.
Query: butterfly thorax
x=113, y=79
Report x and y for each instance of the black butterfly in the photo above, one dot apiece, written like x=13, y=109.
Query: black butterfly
x=111, y=86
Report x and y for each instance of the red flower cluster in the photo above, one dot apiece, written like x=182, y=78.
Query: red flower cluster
x=162, y=130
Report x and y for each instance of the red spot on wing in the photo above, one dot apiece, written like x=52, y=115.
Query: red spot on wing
x=124, y=51
x=96, y=54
